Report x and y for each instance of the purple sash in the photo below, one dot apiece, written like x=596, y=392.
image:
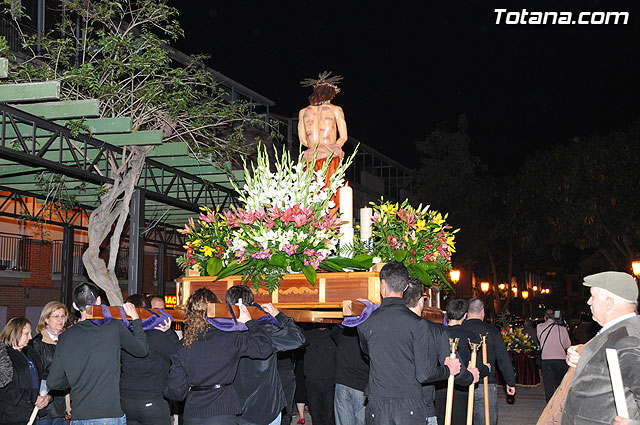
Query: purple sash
x=232, y=324
x=369, y=308
x=147, y=324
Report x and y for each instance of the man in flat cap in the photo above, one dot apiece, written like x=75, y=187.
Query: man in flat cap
x=613, y=304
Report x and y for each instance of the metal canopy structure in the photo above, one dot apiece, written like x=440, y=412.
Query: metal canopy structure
x=47, y=145
x=30, y=145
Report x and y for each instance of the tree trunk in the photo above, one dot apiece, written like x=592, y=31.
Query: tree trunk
x=113, y=209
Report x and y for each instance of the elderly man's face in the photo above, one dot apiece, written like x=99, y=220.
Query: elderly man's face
x=598, y=304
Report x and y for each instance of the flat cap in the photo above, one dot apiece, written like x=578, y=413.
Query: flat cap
x=621, y=284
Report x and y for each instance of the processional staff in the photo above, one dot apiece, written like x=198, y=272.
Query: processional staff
x=485, y=380
x=474, y=354
x=453, y=346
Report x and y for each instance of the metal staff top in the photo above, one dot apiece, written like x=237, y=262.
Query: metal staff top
x=453, y=345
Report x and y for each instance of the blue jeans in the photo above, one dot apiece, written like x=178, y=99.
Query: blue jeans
x=213, y=420
x=49, y=421
x=277, y=420
x=478, y=404
x=348, y=406
x=101, y=421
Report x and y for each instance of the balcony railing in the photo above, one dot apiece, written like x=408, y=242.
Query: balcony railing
x=13, y=38
x=15, y=252
x=56, y=258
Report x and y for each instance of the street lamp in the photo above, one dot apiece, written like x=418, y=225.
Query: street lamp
x=535, y=288
x=455, y=276
x=502, y=286
x=515, y=292
x=484, y=286
x=635, y=266
x=525, y=295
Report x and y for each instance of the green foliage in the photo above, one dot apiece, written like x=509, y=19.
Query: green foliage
x=122, y=59
x=451, y=179
x=581, y=195
x=4, y=47
x=360, y=262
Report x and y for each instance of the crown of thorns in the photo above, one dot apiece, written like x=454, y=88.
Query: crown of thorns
x=323, y=78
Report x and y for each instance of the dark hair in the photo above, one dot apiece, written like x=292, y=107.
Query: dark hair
x=322, y=93
x=84, y=294
x=396, y=275
x=475, y=305
x=549, y=313
x=456, y=308
x=413, y=293
x=239, y=291
x=138, y=300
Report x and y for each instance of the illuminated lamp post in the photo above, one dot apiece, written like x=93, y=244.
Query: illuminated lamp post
x=635, y=266
x=525, y=297
x=454, y=275
x=484, y=286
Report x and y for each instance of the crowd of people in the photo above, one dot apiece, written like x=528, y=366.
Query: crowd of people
x=392, y=368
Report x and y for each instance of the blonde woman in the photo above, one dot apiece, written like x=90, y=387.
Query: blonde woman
x=19, y=396
x=205, y=362
x=51, y=324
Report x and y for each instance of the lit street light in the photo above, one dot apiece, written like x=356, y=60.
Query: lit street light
x=484, y=286
x=455, y=276
x=635, y=266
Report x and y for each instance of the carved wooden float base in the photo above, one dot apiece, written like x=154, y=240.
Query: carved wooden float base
x=329, y=300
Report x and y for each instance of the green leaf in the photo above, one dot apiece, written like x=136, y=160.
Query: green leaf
x=310, y=274
x=400, y=254
x=296, y=266
x=330, y=266
x=417, y=271
x=365, y=259
x=427, y=265
x=278, y=260
x=337, y=263
x=231, y=269
x=214, y=265
x=447, y=285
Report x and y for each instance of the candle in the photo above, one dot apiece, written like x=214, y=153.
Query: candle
x=346, y=204
x=616, y=382
x=365, y=223
x=346, y=238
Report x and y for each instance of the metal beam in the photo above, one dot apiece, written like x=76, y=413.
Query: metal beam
x=136, y=243
x=63, y=109
x=162, y=253
x=29, y=92
x=66, y=278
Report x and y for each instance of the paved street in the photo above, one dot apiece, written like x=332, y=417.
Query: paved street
x=527, y=407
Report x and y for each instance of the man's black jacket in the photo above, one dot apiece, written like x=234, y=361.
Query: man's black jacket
x=257, y=382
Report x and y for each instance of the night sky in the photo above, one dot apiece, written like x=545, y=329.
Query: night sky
x=410, y=66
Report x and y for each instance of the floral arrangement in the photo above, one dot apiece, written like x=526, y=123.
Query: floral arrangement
x=517, y=340
x=418, y=237
x=283, y=225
